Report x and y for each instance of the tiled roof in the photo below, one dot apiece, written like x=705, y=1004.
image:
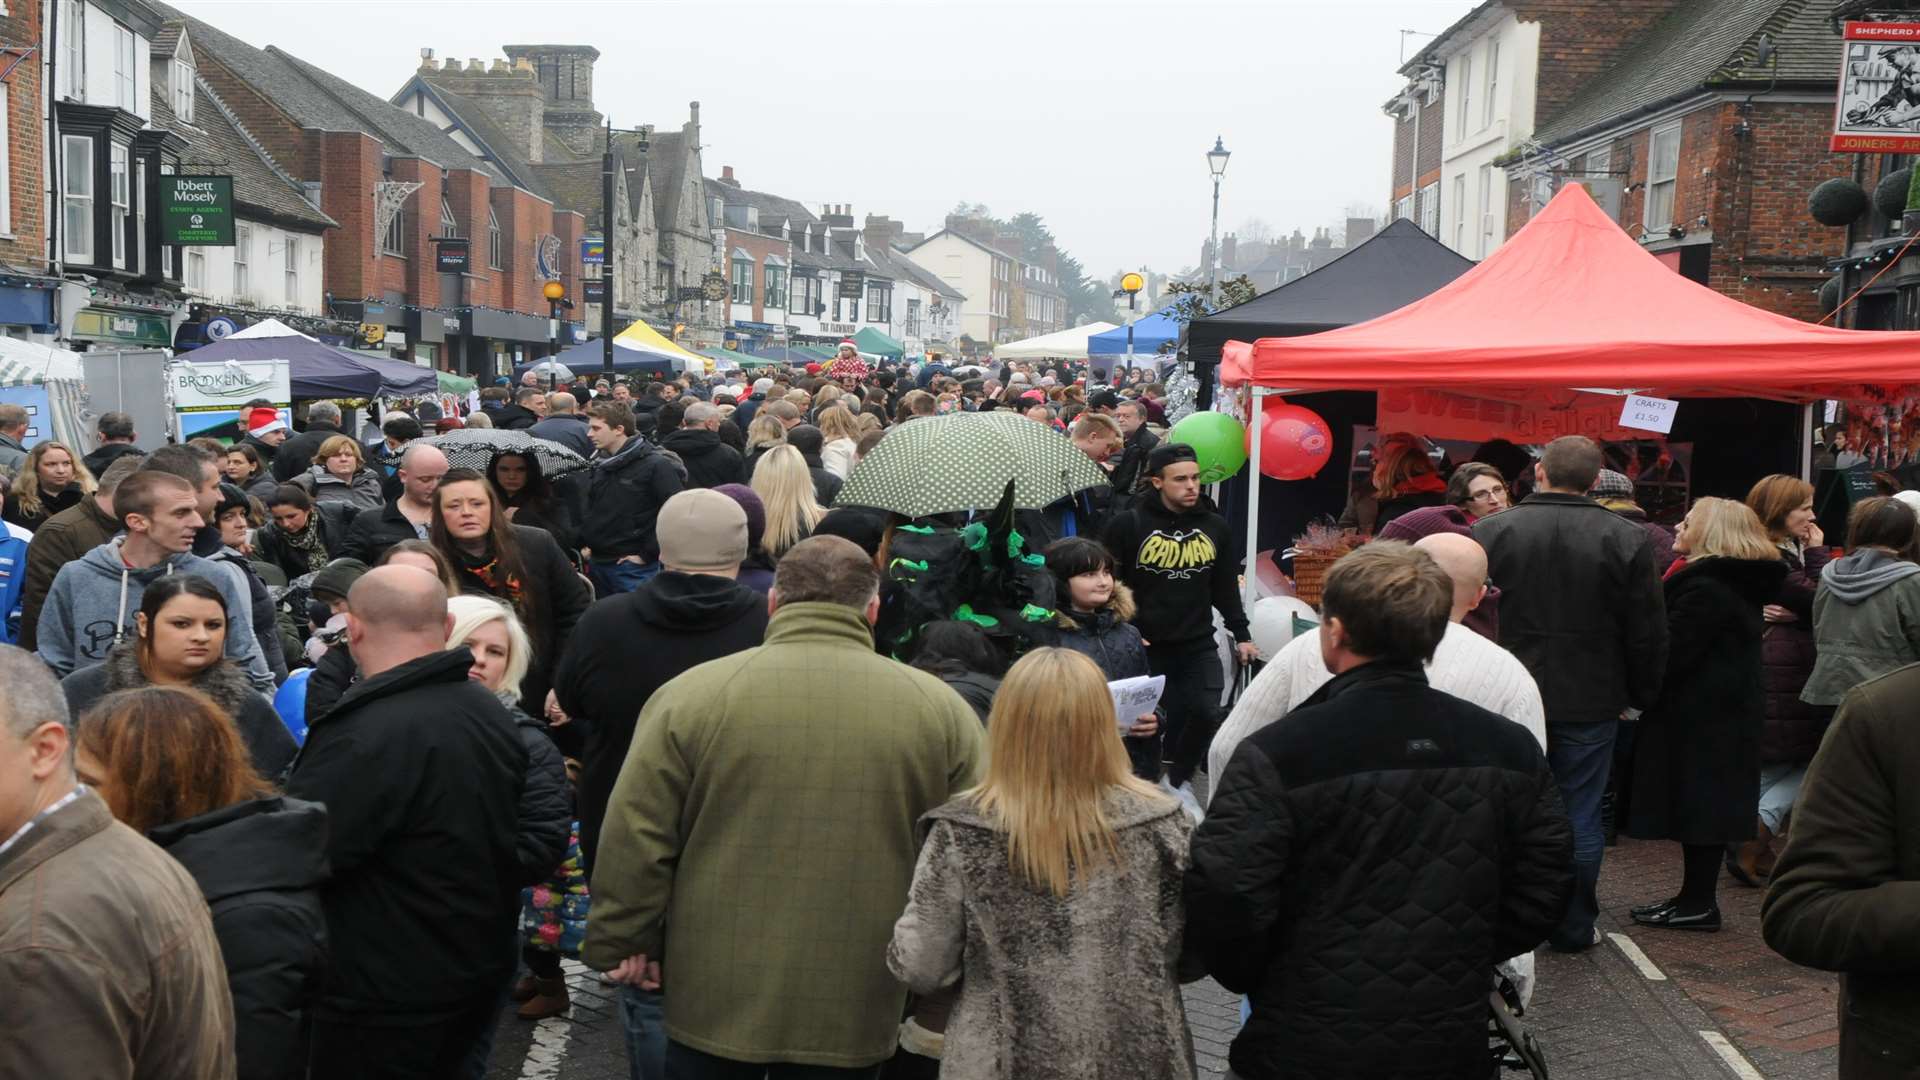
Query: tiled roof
x=505, y=153
x=1704, y=44
x=770, y=206
x=318, y=99
x=213, y=139
x=167, y=40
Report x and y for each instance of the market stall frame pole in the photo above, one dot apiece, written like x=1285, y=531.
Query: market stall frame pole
x=1217, y=164
x=1250, y=584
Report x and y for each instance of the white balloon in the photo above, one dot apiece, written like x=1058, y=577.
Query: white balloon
x=1272, y=622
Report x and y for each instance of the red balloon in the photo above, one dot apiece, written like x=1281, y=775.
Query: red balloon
x=1295, y=443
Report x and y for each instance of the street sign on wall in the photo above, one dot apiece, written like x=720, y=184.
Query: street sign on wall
x=196, y=210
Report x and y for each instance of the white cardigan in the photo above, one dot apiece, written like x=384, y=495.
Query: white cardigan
x=837, y=457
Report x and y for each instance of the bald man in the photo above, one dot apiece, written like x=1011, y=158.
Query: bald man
x=420, y=770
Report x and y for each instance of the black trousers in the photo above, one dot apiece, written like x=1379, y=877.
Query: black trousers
x=1195, y=681
x=349, y=1049
x=686, y=1063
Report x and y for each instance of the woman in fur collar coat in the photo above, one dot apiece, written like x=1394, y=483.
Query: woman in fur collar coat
x=1096, y=620
x=180, y=640
x=1051, y=896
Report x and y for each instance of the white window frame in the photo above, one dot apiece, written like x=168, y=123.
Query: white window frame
x=880, y=304
x=741, y=279
x=1487, y=241
x=1600, y=163
x=1466, y=90
x=1460, y=213
x=1430, y=208
x=242, y=256
x=393, y=240
x=119, y=199
x=166, y=250
x=292, y=265
x=73, y=49
x=180, y=74
x=496, y=253
x=126, y=69
x=77, y=193
x=6, y=160
x=1403, y=208
x=775, y=293
x=1663, y=178
x=449, y=224
x=196, y=270
x=138, y=257
x=1487, y=108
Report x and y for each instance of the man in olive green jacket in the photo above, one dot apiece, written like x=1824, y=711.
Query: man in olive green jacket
x=761, y=838
x=1846, y=894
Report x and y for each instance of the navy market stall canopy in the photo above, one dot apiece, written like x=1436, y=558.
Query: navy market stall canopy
x=1394, y=268
x=585, y=360
x=319, y=370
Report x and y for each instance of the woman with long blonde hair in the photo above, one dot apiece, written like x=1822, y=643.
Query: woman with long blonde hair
x=785, y=486
x=1051, y=893
x=842, y=434
x=52, y=479
x=1695, y=774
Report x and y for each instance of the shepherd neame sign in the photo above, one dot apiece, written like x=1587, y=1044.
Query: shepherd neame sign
x=196, y=210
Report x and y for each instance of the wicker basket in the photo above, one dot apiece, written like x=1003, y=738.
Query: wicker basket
x=1310, y=575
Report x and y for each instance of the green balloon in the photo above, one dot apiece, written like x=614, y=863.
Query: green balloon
x=1219, y=443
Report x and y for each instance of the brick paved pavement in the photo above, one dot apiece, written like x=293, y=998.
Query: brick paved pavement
x=1597, y=1014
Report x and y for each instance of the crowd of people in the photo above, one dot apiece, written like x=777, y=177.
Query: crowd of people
x=401, y=737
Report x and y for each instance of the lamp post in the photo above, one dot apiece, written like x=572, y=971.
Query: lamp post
x=1217, y=164
x=556, y=295
x=1131, y=284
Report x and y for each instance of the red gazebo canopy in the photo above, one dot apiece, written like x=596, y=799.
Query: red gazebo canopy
x=1572, y=301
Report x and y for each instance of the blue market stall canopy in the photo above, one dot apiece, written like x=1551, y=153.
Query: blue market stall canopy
x=586, y=358
x=320, y=370
x=1148, y=335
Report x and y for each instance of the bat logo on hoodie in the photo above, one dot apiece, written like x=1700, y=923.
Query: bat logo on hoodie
x=1176, y=555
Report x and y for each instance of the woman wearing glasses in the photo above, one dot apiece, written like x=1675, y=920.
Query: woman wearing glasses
x=1477, y=489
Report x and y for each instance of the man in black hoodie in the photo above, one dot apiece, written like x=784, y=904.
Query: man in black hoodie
x=420, y=770
x=630, y=480
x=710, y=461
x=528, y=407
x=1177, y=558
x=691, y=612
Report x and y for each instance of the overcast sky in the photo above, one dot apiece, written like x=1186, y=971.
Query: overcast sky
x=1095, y=114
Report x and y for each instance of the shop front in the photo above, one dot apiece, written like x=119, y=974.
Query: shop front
x=497, y=341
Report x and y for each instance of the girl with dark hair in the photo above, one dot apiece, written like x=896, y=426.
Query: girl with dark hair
x=244, y=469
x=529, y=497
x=179, y=640
x=518, y=565
x=1866, y=611
x=168, y=762
x=1093, y=617
x=962, y=656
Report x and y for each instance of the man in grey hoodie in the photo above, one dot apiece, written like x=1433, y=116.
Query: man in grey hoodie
x=94, y=599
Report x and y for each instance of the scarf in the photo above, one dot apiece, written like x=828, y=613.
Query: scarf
x=498, y=582
x=307, y=541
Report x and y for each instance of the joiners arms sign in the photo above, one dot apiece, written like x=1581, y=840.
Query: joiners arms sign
x=196, y=210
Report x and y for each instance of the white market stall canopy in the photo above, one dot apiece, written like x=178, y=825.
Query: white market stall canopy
x=1068, y=344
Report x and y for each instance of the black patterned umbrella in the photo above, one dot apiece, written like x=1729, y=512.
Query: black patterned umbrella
x=962, y=461
x=475, y=448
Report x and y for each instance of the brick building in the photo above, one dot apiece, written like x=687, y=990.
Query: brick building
x=761, y=232
x=26, y=293
x=1704, y=141
x=1493, y=76
x=393, y=181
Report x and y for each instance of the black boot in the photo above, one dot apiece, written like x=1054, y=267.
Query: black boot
x=1608, y=825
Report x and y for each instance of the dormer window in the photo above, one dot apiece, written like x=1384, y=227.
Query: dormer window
x=180, y=83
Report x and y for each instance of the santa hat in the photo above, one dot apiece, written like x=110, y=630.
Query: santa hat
x=263, y=421
x=813, y=369
x=848, y=344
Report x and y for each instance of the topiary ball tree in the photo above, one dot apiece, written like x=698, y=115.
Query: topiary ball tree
x=1890, y=194
x=1837, y=202
x=1829, y=295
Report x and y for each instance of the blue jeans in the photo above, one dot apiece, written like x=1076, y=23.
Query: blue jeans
x=1779, y=790
x=1581, y=756
x=643, y=1015
x=611, y=577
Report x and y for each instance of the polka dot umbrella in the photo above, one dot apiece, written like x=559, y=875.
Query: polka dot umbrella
x=962, y=461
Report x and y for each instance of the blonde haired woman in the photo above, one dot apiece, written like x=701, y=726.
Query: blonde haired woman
x=50, y=480
x=339, y=474
x=1051, y=895
x=785, y=486
x=842, y=433
x=763, y=434
x=1696, y=759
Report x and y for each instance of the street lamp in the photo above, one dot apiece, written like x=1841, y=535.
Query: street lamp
x=1131, y=284
x=1217, y=164
x=556, y=294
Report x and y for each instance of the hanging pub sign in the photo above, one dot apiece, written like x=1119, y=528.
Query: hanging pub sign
x=594, y=290
x=593, y=251
x=451, y=254
x=196, y=210
x=852, y=286
x=1878, y=106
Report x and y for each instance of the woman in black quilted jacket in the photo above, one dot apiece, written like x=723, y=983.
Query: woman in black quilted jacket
x=1095, y=618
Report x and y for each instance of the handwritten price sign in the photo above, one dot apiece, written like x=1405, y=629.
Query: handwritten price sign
x=1649, y=413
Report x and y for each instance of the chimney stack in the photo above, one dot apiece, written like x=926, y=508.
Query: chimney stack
x=452, y=64
x=426, y=60
x=499, y=65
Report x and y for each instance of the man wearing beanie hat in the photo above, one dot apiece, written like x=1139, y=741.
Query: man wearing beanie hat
x=1177, y=557
x=694, y=610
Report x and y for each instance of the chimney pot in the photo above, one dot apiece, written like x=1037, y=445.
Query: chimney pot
x=452, y=64
x=726, y=173
x=476, y=64
x=524, y=64
x=499, y=65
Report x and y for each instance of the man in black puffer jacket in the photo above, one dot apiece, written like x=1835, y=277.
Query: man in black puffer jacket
x=710, y=461
x=1368, y=859
x=629, y=482
x=420, y=770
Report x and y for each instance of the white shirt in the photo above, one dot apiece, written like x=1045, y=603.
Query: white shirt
x=1466, y=665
